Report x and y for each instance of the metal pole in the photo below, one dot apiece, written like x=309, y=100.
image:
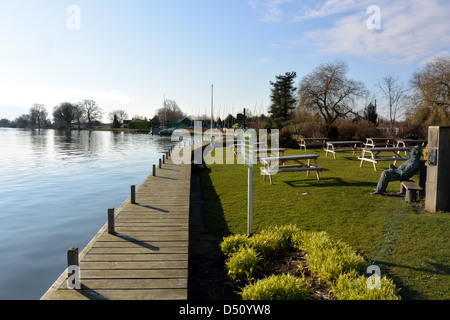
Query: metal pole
x=250, y=202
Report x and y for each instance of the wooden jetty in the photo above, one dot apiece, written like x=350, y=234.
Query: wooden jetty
x=141, y=253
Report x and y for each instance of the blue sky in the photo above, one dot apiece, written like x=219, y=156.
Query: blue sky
x=131, y=54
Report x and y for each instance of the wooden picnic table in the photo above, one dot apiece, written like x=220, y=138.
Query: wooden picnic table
x=410, y=142
x=379, y=142
x=298, y=165
x=342, y=146
x=236, y=147
x=383, y=154
x=304, y=142
x=271, y=152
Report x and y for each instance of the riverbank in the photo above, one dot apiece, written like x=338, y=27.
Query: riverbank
x=409, y=244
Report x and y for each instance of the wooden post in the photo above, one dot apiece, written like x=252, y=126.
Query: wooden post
x=111, y=221
x=72, y=257
x=154, y=169
x=133, y=194
x=160, y=163
x=164, y=158
x=73, y=268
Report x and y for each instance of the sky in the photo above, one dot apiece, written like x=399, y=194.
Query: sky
x=131, y=55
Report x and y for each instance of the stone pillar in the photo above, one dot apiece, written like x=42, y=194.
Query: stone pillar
x=438, y=170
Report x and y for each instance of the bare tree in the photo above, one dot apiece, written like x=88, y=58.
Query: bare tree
x=328, y=92
x=64, y=114
x=91, y=111
x=394, y=97
x=170, y=112
x=120, y=115
x=38, y=115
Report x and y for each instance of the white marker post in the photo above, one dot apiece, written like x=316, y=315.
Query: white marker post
x=248, y=155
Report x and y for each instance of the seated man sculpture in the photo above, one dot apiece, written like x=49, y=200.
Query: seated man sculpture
x=403, y=173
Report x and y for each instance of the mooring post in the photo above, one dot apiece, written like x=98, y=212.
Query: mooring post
x=160, y=163
x=73, y=269
x=111, y=221
x=72, y=257
x=164, y=158
x=154, y=169
x=133, y=194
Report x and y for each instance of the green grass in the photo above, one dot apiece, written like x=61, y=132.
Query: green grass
x=411, y=248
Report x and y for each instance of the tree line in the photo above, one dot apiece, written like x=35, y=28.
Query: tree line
x=328, y=98
x=326, y=103
x=88, y=113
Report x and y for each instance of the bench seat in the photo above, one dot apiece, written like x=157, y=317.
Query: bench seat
x=411, y=189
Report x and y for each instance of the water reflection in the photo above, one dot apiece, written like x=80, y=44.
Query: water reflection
x=55, y=188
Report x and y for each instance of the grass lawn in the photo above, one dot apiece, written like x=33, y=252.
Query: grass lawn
x=409, y=245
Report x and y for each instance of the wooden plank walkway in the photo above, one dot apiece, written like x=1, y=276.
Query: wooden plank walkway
x=147, y=258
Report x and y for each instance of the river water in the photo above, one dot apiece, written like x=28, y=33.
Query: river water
x=55, y=190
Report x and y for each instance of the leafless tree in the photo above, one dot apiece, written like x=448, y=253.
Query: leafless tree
x=170, y=112
x=91, y=111
x=38, y=115
x=120, y=114
x=328, y=92
x=394, y=97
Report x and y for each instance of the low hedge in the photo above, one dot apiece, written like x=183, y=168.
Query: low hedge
x=330, y=260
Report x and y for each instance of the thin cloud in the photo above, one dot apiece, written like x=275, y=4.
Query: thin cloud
x=411, y=30
x=270, y=10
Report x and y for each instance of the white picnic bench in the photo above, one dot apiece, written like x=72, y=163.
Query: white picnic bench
x=379, y=142
x=342, y=146
x=410, y=142
x=377, y=154
x=304, y=142
x=281, y=165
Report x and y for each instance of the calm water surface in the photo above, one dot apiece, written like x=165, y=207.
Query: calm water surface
x=55, y=189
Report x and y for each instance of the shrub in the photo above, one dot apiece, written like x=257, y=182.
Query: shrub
x=351, y=287
x=327, y=259
x=347, y=130
x=242, y=264
x=276, y=287
x=233, y=243
x=286, y=138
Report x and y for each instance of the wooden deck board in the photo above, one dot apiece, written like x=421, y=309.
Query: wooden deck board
x=147, y=258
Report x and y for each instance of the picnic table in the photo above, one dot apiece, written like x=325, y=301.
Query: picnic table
x=379, y=142
x=297, y=163
x=342, y=146
x=411, y=142
x=236, y=146
x=271, y=152
x=383, y=154
x=305, y=141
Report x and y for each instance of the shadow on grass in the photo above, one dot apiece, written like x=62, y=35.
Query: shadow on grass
x=212, y=207
x=328, y=182
x=406, y=292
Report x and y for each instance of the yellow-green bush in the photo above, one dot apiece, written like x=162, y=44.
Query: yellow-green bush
x=242, y=264
x=276, y=287
x=330, y=260
x=350, y=286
